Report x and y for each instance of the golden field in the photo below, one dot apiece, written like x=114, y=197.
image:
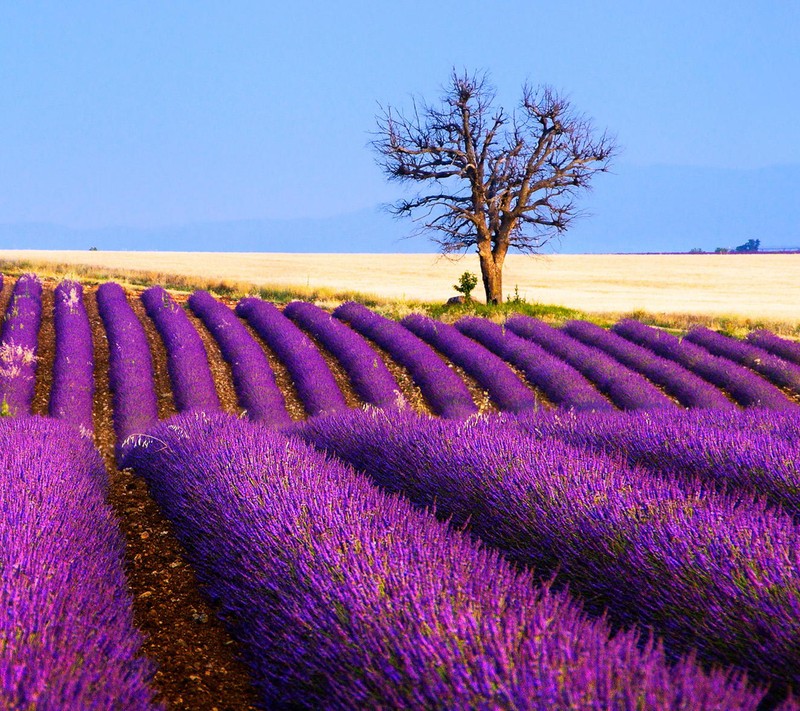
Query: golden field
x=765, y=286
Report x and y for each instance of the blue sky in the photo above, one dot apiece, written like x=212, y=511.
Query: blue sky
x=148, y=113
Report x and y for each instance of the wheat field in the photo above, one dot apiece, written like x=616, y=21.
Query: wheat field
x=763, y=286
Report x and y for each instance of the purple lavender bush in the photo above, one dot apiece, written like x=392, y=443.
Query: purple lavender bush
x=67, y=631
x=781, y=347
x=626, y=388
x=730, y=451
x=258, y=393
x=130, y=365
x=561, y=383
x=492, y=373
x=714, y=575
x=747, y=388
x=343, y=597
x=187, y=362
x=72, y=391
x=689, y=389
x=310, y=374
x=18, y=346
x=368, y=374
x=778, y=371
x=444, y=390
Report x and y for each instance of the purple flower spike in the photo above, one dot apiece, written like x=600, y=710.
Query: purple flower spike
x=491, y=372
x=781, y=347
x=370, y=377
x=446, y=393
x=310, y=374
x=67, y=631
x=72, y=393
x=747, y=388
x=690, y=389
x=18, y=346
x=343, y=597
x=561, y=383
x=253, y=378
x=778, y=371
x=130, y=366
x=187, y=362
x=626, y=388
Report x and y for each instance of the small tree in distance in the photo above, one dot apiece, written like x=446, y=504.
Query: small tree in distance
x=488, y=178
x=466, y=283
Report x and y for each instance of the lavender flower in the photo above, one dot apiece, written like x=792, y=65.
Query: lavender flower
x=72, y=392
x=491, y=372
x=627, y=389
x=444, y=390
x=370, y=377
x=253, y=378
x=689, y=389
x=776, y=370
x=310, y=374
x=747, y=388
x=560, y=382
x=343, y=597
x=187, y=362
x=781, y=347
x=67, y=631
x=18, y=346
x=130, y=365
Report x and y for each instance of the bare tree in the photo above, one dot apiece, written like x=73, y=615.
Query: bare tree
x=491, y=179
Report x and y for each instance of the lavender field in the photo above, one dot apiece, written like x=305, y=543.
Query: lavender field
x=211, y=505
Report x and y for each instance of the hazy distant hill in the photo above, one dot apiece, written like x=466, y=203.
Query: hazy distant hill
x=652, y=209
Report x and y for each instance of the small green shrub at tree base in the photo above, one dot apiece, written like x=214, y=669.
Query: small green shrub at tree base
x=466, y=283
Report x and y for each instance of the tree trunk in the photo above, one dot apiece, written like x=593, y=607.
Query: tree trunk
x=492, y=279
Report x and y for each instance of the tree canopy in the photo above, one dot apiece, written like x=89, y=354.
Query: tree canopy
x=489, y=178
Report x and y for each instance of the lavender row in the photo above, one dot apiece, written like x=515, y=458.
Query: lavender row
x=68, y=638
x=130, y=365
x=778, y=371
x=712, y=574
x=444, y=390
x=253, y=378
x=18, y=346
x=492, y=373
x=187, y=362
x=310, y=374
x=781, y=347
x=747, y=388
x=560, y=382
x=628, y=390
x=72, y=391
x=370, y=377
x=689, y=389
x=729, y=452
x=344, y=597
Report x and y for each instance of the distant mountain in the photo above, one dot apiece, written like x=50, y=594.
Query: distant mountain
x=638, y=209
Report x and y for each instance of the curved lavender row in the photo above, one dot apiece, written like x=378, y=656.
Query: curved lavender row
x=18, y=345
x=310, y=374
x=444, y=390
x=710, y=573
x=727, y=452
x=187, y=362
x=747, y=388
x=688, y=388
x=72, y=391
x=626, y=388
x=69, y=641
x=343, y=597
x=491, y=372
x=370, y=377
x=781, y=347
x=130, y=366
x=253, y=378
x=776, y=370
x=560, y=382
